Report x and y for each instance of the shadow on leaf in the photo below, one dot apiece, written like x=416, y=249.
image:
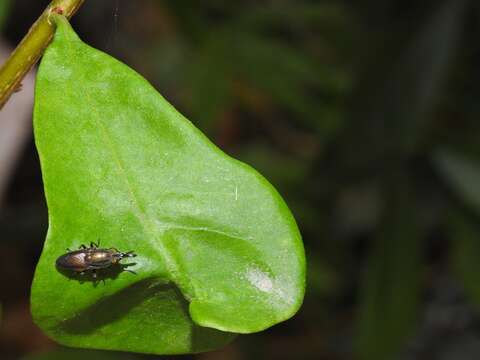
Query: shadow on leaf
x=114, y=307
x=111, y=273
x=117, y=306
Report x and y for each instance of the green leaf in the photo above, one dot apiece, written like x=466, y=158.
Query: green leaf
x=217, y=246
x=76, y=354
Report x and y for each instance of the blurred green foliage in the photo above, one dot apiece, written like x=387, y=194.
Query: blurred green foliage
x=5, y=6
x=256, y=58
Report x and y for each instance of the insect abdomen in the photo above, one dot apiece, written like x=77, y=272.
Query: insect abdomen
x=73, y=261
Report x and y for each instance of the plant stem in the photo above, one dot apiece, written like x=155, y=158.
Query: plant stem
x=31, y=47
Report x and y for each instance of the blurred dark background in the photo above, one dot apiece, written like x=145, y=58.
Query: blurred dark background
x=366, y=117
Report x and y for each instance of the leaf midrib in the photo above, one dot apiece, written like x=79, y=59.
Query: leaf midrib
x=147, y=224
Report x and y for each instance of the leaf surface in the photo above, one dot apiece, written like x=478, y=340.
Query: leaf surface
x=217, y=246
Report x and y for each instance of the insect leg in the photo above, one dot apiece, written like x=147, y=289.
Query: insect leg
x=94, y=273
x=82, y=246
x=130, y=271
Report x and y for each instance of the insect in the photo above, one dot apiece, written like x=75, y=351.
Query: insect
x=91, y=259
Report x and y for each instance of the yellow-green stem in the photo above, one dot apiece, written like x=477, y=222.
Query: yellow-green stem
x=32, y=47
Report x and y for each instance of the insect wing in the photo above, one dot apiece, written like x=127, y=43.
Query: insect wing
x=74, y=260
